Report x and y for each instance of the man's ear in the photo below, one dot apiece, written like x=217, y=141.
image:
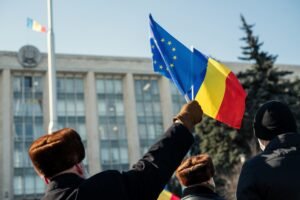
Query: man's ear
x=46, y=180
x=79, y=169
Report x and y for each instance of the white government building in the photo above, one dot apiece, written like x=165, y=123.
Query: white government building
x=117, y=104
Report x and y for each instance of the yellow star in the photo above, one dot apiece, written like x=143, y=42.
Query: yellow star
x=162, y=40
x=169, y=43
x=161, y=67
x=171, y=65
x=174, y=57
x=173, y=49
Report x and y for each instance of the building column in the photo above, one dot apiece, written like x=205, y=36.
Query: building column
x=93, y=143
x=131, y=120
x=166, y=102
x=6, y=142
x=46, y=108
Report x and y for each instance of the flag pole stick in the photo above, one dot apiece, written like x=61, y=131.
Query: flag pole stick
x=192, y=72
x=51, y=73
x=187, y=99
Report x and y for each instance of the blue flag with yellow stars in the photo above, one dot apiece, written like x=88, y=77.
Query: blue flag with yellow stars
x=158, y=62
x=171, y=58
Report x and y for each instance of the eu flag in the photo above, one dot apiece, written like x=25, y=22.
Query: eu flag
x=158, y=62
x=171, y=58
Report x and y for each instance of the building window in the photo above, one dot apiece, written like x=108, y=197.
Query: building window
x=27, y=126
x=148, y=108
x=70, y=105
x=112, y=129
x=177, y=99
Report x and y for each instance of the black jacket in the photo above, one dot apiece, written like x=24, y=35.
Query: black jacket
x=144, y=181
x=275, y=173
x=199, y=192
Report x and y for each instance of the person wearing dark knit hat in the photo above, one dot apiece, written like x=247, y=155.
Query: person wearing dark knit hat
x=57, y=158
x=274, y=173
x=196, y=175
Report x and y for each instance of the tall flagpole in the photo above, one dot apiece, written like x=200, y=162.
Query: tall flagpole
x=51, y=73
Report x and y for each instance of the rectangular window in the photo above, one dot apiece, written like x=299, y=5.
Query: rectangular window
x=148, y=108
x=70, y=104
x=112, y=129
x=27, y=126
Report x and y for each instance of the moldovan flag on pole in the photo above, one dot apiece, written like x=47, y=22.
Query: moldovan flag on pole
x=34, y=25
x=166, y=195
x=218, y=90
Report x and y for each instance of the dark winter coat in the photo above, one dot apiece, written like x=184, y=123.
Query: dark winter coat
x=144, y=181
x=275, y=173
x=199, y=192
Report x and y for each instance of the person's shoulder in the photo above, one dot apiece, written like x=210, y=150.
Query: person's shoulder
x=103, y=178
x=107, y=185
x=255, y=162
x=255, y=159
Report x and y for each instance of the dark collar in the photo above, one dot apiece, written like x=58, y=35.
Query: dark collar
x=284, y=141
x=68, y=180
x=198, y=190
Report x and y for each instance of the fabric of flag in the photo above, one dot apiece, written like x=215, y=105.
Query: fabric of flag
x=34, y=25
x=166, y=195
x=158, y=63
x=219, y=92
x=171, y=58
x=214, y=86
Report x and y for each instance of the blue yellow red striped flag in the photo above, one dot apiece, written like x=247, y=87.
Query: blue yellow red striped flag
x=219, y=92
x=34, y=25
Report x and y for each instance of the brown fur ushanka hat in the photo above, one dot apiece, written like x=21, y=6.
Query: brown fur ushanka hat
x=195, y=170
x=51, y=154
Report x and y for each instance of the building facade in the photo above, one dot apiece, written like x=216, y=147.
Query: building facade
x=118, y=105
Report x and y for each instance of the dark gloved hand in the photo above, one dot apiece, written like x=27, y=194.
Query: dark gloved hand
x=189, y=115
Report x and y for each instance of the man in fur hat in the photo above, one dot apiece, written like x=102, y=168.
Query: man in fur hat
x=273, y=174
x=57, y=158
x=196, y=175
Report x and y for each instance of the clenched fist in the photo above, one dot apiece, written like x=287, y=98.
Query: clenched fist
x=189, y=115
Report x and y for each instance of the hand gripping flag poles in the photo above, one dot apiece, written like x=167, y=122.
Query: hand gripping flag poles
x=198, y=77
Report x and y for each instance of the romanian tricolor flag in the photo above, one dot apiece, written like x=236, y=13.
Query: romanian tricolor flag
x=34, y=25
x=218, y=91
x=198, y=77
x=166, y=195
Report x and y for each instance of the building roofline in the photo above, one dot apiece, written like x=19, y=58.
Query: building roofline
x=132, y=59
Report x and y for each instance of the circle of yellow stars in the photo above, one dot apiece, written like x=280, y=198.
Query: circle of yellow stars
x=173, y=49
